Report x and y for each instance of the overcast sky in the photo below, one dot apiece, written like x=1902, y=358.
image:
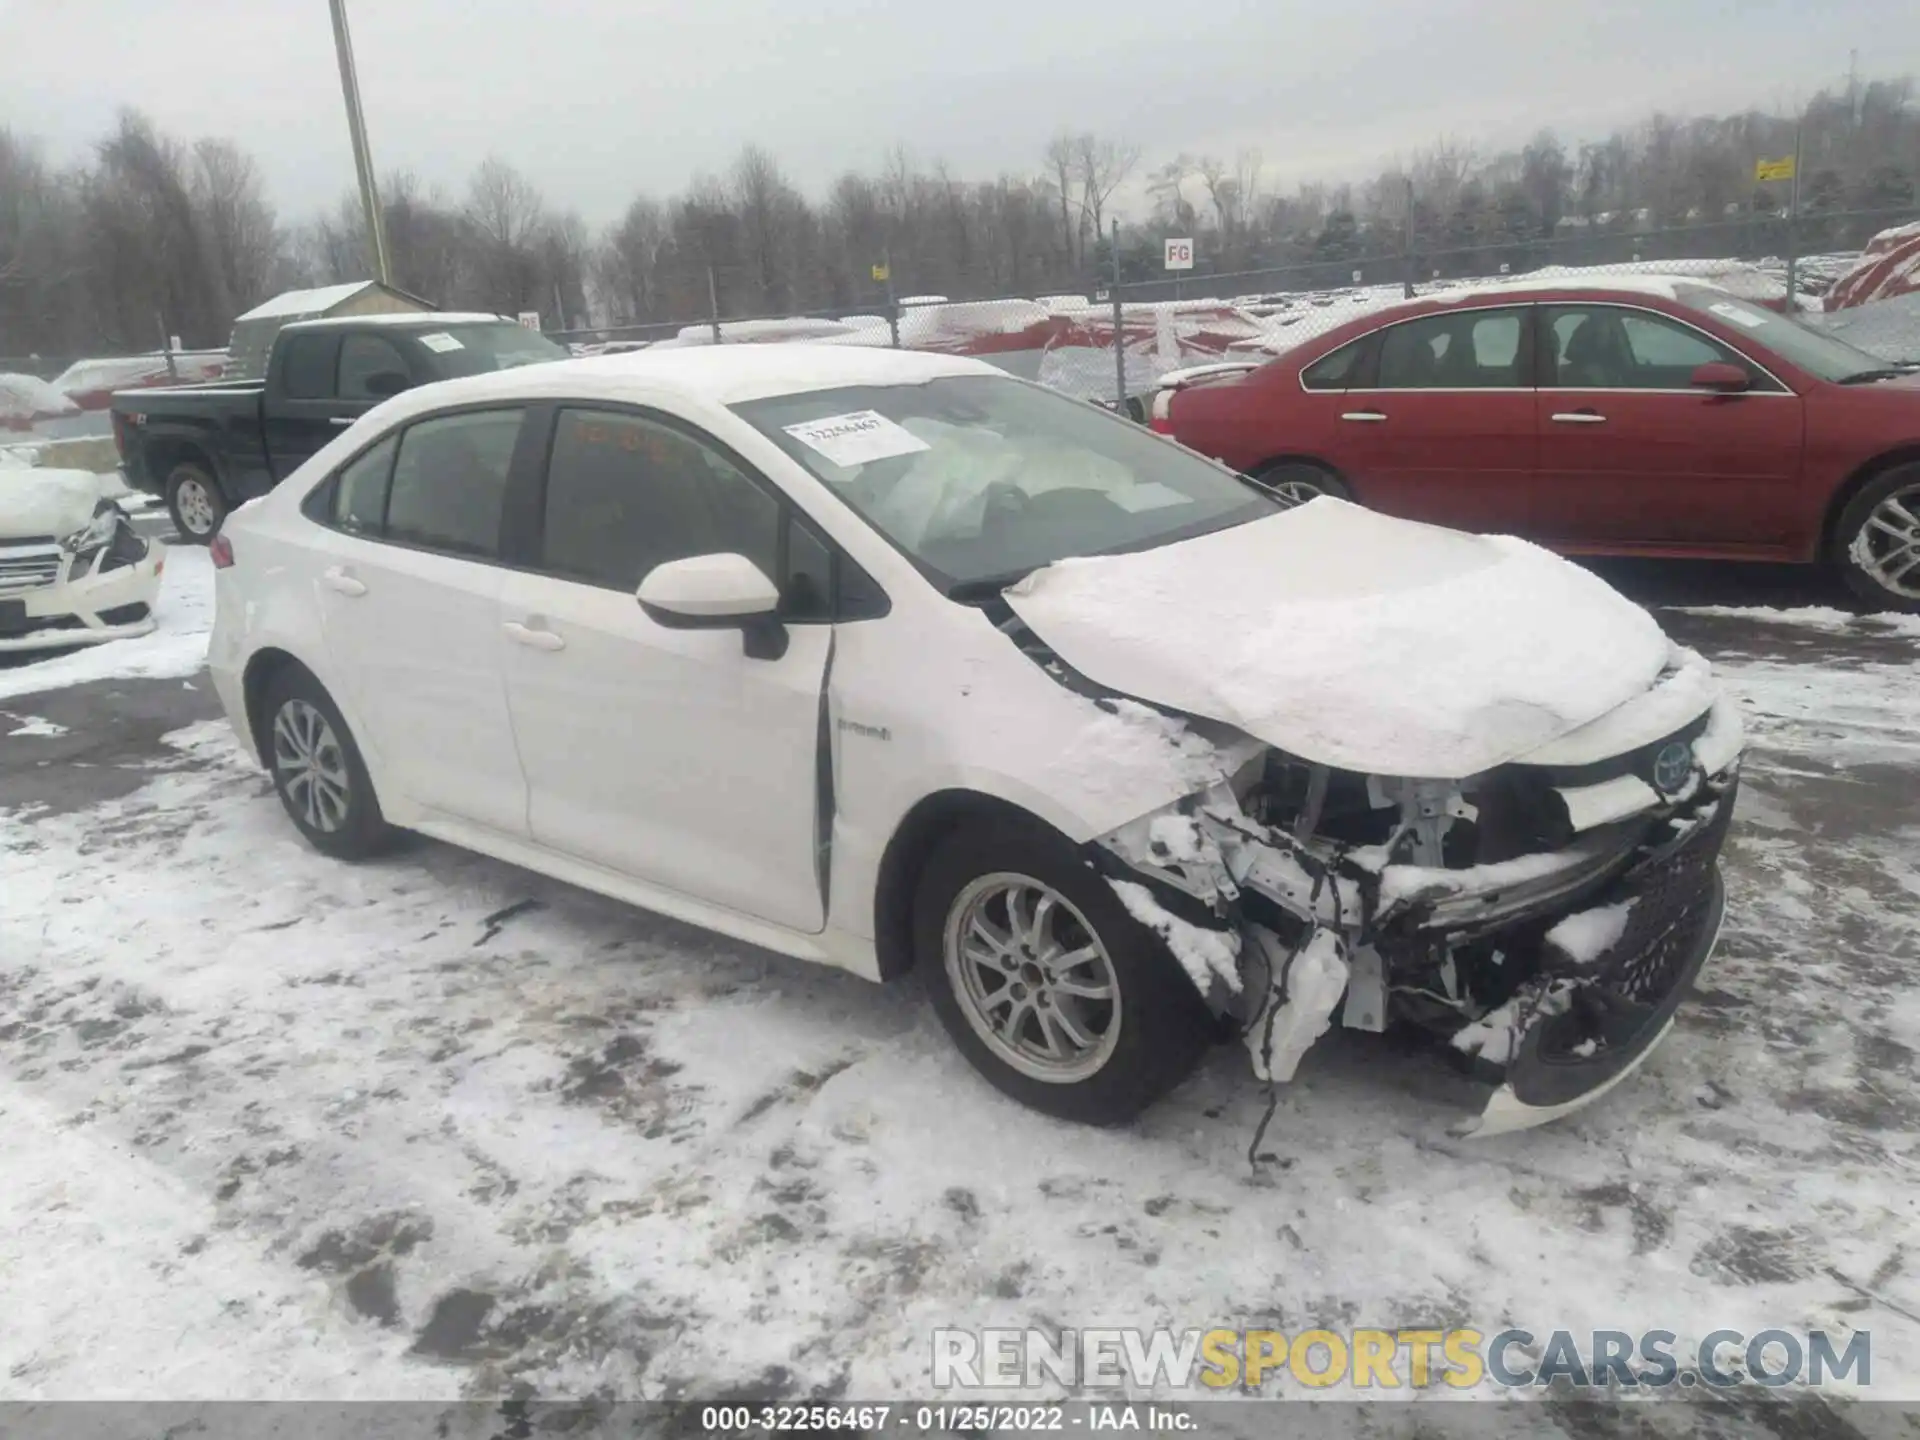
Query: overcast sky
x=598, y=99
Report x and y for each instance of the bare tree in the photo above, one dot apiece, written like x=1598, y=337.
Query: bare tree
x=1101, y=167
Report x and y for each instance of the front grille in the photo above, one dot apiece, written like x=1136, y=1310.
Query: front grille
x=1672, y=893
x=28, y=566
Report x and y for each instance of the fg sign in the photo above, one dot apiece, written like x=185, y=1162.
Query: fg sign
x=1179, y=255
x=530, y=319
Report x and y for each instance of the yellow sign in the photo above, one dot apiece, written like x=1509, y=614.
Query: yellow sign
x=1773, y=169
x=880, y=272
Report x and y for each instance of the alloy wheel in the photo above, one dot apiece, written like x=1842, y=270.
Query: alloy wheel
x=1887, y=548
x=195, y=504
x=310, y=766
x=1033, y=979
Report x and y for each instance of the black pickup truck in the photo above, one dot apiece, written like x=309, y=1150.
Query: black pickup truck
x=207, y=448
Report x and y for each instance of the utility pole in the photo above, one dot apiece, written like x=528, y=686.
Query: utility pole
x=1793, y=216
x=362, y=156
x=1119, y=332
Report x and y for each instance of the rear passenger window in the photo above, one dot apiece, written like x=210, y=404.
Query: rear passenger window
x=1335, y=371
x=306, y=371
x=625, y=494
x=360, y=495
x=1455, y=350
x=450, y=481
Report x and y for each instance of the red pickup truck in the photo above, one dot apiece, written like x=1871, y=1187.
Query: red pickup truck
x=1648, y=416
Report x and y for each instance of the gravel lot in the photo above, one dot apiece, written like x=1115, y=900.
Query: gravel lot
x=434, y=1127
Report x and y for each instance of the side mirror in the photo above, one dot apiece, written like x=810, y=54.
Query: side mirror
x=708, y=592
x=1719, y=376
x=387, y=383
x=717, y=592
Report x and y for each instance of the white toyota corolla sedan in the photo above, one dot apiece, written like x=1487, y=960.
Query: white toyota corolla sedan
x=891, y=660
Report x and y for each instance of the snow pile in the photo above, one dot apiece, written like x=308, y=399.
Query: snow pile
x=46, y=502
x=1813, y=617
x=758, y=332
x=1353, y=639
x=177, y=645
x=25, y=399
x=1206, y=955
x=1586, y=935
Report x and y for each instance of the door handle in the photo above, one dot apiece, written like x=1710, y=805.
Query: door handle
x=340, y=580
x=1373, y=415
x=1580, y=417
x=534, y=639
x=342, y=420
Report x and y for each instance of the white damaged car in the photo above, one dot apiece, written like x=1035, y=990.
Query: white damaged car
x=890, y=661
x=72, y=570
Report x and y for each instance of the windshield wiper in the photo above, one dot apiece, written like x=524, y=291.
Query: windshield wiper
x=970, y=592
x=1888, y=372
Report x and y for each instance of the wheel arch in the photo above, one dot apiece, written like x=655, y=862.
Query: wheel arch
x=166, y=451
x=930, y=820
x=262, y=667
x=1865, y=475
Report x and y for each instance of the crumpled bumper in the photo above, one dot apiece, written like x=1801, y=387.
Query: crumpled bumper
x=88, y=609
x=1474, y=957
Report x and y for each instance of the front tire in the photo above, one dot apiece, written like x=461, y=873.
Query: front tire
x=317, y=770
x=195, y=502
x=1047, y=985
x=1294, y=482
x=1877, y=542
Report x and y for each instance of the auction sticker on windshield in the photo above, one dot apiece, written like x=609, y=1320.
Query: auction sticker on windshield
x=1739, y=314
x=441, y=341
x=856, y=438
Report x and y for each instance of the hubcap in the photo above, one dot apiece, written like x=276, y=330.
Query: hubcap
x=196, y=507
x=309, y=764
x=1032, y=978
x=1888, y=546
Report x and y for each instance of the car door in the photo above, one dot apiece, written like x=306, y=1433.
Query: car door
x=669, y=755
x=306, y=409
x=409, y=585
x=1632, y=453
x=1442, y=428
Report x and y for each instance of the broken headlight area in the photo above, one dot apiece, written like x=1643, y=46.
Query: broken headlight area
x=107, y=542
x=1542, y=946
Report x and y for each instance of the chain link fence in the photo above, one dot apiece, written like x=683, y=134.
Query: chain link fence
x=1111, y=343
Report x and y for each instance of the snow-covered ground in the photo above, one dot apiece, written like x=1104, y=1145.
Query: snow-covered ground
x=271, y=1125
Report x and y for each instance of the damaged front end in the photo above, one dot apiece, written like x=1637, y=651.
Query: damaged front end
x=1542, y=923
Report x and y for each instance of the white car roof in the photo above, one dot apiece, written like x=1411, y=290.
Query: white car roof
x=715, y=374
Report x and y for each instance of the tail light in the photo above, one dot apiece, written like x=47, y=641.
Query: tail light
x=1160, y=416
x=220, y=550
x=120, y=434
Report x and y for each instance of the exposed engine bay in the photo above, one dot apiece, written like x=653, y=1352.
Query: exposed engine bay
x=1549, y=959
x=1541, y=921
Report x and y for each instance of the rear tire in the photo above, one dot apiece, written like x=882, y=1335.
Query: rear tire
x=1004, y=1008
x=317, y=770
x=1294, y=482
x=1877, y=540
x=195, y=502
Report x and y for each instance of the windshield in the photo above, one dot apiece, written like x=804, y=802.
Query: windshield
x=477, y=349
x=980, y=479
x=1813, y=352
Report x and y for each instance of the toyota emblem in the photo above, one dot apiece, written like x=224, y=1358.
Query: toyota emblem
x=1672, y=767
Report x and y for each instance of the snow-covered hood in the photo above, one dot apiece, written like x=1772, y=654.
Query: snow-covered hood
x=1353, y=639
x=45, y=502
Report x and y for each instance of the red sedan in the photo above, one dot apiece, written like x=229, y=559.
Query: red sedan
x=1650, y=416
